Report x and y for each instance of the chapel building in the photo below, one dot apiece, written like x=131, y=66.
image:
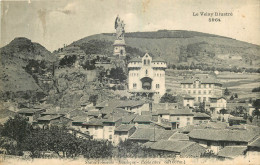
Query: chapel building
x=146, y=76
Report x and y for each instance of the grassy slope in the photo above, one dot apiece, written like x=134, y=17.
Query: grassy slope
x=169, y=44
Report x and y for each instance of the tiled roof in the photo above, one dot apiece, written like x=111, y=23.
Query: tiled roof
x=79, y=119
x=93, y=113
x=30, y=110
x=179, y=137
x=94, y=121
x=143, y=118
x=59, y=111
x=113, y=111
x=232, y=151
x=202, y=79
x=183, y=111
x=222, y=135
x=124, y=128
x=112, y=119
x=148, y=134
x=120, y=103
x=255, y=143
x=201, y=115
x=49, y=117
x=128, y=118
x=170, y=145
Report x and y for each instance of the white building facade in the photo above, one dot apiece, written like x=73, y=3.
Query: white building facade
x=202, y=89
x=147, y=76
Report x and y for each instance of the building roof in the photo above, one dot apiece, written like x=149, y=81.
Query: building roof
x=223, y=135
x=124, y=128
x=93, y=113
x=128, y=118
x=201, y=115
x=79, y=119
x=112, y=119
x=143, y=118
x=30, y=110
x=54, y=111
x=183, y=111
x=170, y=145
x=202, y=79
x=188, y=97
x=49, y=117
x=150, y=134
x=179, y=137
x=94, y=122
x=255, y=143
x=232, y=151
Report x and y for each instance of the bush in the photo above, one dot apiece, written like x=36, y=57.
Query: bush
x=256, y=89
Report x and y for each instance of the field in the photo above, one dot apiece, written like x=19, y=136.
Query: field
x=240, y=83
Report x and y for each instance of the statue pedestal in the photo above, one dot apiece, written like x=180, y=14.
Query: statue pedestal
x=119, y=48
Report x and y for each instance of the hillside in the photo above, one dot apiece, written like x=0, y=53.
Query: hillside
x=183, y=47
x=23, y=63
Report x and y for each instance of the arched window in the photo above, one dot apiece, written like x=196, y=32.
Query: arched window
x=144, y=62
x=148, y=62
x=146, y=71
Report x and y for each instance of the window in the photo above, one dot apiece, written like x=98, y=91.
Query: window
x=199, y=92
x=157, y=85
x=144, y=62
x=194, y=92
x=194, y=85
x=188, y=118
x=188, y=91
x=199, y=98
x=134, y=85
x=205, y=92
x=146, y=71
x=208, y=144
x=189, y=85
x=209, y=92
x=178, y=118
x=204, y=98
x=96, y=127
x=110, y=136
x=199, y=85
x=210, y=85
x=204, y=85
x=148, y=62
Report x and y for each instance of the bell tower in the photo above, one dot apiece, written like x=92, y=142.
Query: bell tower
x=119, y=44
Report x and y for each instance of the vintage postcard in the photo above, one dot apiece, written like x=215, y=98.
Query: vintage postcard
x=133, y=82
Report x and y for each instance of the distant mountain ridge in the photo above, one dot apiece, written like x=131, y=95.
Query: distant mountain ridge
x=185, y=47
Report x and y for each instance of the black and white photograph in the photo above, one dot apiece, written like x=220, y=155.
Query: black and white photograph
x=129, y=82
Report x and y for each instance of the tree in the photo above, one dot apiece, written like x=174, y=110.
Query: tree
x=93, y=99
x=232, y=97
x=236, y=96
x=226, y=92
x=68, y=61
x=168, y=98
x=117, y=73
x=17, y=129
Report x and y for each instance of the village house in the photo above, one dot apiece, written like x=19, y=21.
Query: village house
x=253, y=150
x=202, y=88
x=94, y=128
x=31, y=113
x=123, y=132
x=217, y=139
x=217, y=104
x=143, y=135
x=181, y=148
x=231, y=152
x=48, y=120
x=109, y=126
x=188, y=101
x=199, y=118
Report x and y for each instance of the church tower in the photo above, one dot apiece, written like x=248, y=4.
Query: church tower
x=119, y=44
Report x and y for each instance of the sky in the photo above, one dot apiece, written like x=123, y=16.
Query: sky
x=53, y=23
